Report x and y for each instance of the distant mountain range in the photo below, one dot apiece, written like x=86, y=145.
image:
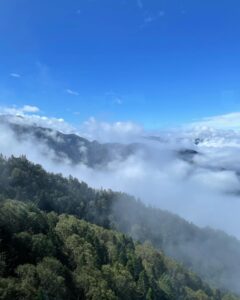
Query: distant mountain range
x=77, y=149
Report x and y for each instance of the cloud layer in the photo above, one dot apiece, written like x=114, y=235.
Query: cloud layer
x=204, y=189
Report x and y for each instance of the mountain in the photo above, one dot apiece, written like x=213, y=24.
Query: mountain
x=76, y=149
x=212, y=254
x=70, y=147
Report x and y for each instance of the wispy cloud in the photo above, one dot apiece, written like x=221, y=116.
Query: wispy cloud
x=114, y=98
x=161, y=13
x=118, y=101
x=29, y=109
x=150, y=18
x=71, y=92
x=15, y=75
x=226, y=121
x=140, y=4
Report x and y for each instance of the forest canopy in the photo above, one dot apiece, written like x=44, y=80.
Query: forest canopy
x=59, y=239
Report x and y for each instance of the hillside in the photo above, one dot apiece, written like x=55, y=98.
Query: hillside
x=211, y=254
x=50, y=256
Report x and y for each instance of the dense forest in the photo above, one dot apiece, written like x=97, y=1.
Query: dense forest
x=48, y=254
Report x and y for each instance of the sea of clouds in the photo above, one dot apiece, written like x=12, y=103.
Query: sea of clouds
x=204, y=189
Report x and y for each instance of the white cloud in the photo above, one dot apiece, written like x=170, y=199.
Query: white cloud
x=15, y=75
x=26, y=115
x=14, y=110
x=43, y=121
x=30, y=109
x=71, y=92
x=226, y=121
x=91, y=129
x=111, y=132
x=219, y=131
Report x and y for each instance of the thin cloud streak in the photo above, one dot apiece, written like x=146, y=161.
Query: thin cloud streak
x=71, y=92
x=140, y=4
x=15, y=75
x=225, y=121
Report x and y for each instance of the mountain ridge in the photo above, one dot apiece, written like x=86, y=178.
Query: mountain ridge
x=77, y=149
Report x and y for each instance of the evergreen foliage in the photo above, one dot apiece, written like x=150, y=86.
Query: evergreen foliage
x=50, y=256
x=23, y=181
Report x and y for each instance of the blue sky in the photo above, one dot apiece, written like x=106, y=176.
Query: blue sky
x=157, y=63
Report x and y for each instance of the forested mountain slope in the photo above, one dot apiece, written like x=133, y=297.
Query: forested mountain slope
x=50, y=256
x=212, y=254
